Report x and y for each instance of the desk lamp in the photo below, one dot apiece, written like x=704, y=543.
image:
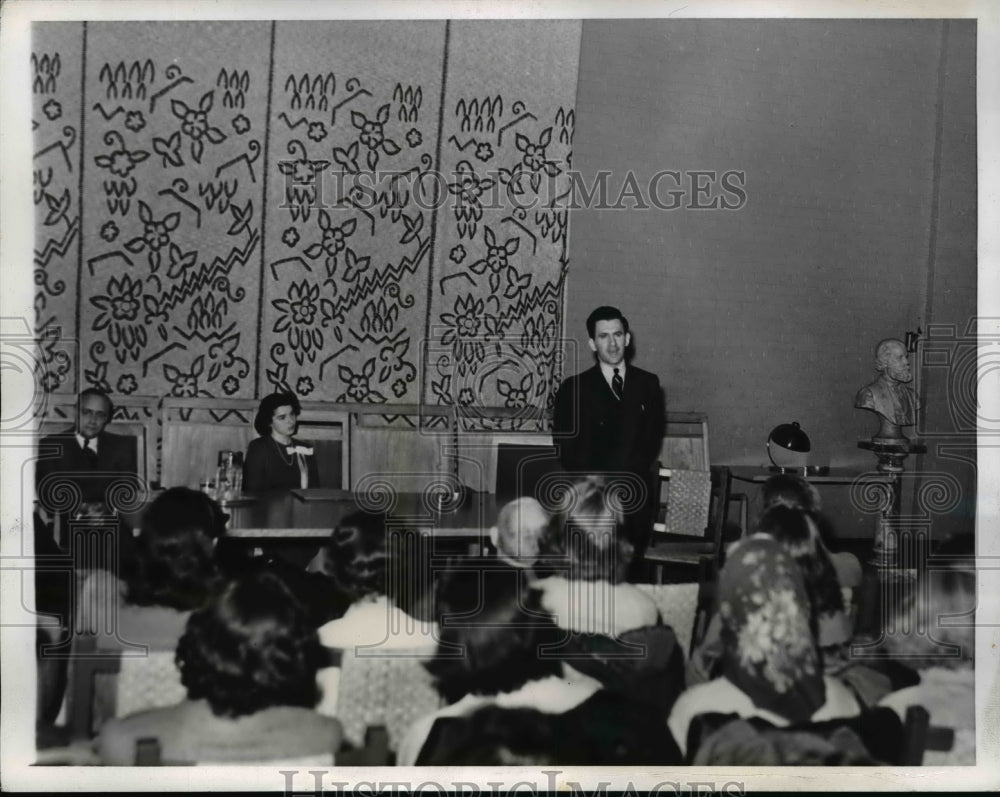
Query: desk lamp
x=788, y=447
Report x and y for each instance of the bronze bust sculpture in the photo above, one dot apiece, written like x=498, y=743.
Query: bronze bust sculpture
x=890, y=395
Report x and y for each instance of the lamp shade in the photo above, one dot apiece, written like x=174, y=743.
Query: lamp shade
x=788, y=446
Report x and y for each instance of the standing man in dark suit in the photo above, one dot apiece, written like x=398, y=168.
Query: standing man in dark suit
x=610, y=419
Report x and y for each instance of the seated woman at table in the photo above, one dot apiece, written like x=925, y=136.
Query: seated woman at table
x=770, y=663
x=248, y=661
x=277, y=460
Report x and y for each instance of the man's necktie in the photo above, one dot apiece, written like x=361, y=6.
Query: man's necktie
x=617, y=385
x=89, y=452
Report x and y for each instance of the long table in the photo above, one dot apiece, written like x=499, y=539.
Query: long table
x=312, y=514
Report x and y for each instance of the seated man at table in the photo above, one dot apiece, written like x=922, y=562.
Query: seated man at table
x=75, y=473
x=86, y=457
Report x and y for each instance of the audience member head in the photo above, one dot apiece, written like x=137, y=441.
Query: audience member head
x=792, y=491
x=944, y=604
x=281, y=407
x=769, y=651
x=799, y=536
x=249, y=649
x=175, y=551
x=517, y=534
x=493, y=635
x=357, y=558
x=587, y=537
x=93, y=412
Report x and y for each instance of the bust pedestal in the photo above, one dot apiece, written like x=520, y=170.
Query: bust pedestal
x=889, y=453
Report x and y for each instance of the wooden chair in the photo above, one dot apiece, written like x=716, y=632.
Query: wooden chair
x=919, y=735
x=135, y=416
x=685, y=441
x=480, y=432
x=405, y=446
x=522, y=468
x=132, y=682
x=700, y=501
x=389, y=688
x=685, y=607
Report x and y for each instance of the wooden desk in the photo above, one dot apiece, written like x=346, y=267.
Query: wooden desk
x=758, y=474
x=286, y=516
x=871, y=490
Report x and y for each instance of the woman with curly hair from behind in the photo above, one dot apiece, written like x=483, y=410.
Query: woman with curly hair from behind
x=248, y=661
x=173, y=573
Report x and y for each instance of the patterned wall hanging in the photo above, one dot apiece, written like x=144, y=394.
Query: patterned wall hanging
x=228, y=208
x=496, y=294
x=56, y=56
x=347, y=254
x=175, y=121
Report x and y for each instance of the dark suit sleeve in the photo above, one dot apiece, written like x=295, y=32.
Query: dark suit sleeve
x=565, y=433
x=254, y=468
x=656, y=422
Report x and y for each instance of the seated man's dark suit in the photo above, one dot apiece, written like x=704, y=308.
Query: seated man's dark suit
x=60, y=458
x=598, y=433
x=63, y=468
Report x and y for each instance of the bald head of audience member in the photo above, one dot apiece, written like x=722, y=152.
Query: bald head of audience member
x=520, y=524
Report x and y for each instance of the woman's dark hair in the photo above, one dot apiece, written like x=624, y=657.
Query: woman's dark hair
x=174, y=558
x=250, y=648
x=799, y=535
x=586, y=540
x=356, y=555
x=268, y=405
x=792, y=491
x=494, y=635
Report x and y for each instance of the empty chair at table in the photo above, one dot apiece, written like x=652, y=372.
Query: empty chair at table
x=278, y=460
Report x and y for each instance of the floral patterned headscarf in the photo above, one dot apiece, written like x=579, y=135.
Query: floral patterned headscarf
x=769, y=650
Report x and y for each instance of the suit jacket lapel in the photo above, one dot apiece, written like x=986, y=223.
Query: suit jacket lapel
x=599, y=385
